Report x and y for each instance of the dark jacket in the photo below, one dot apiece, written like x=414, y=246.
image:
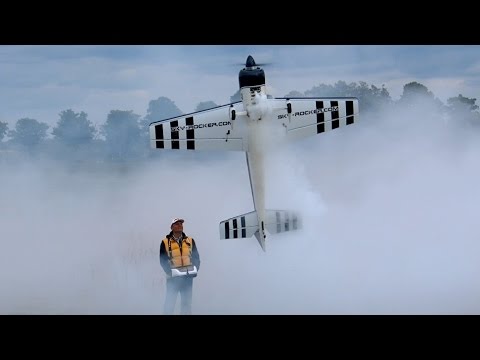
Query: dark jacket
x=164, y=260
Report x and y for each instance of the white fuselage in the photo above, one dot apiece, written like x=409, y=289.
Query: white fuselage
x=257, y=110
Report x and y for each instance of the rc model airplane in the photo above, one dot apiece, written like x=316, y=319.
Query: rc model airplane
x=240, y=126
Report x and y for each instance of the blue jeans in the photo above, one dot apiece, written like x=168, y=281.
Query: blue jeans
x=175, y=286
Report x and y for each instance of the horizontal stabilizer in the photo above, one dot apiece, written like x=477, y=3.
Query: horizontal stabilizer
x=246, y=225
x=242, y=226
x=278, y=221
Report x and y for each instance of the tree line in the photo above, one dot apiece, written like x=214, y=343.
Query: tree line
x=124, y=135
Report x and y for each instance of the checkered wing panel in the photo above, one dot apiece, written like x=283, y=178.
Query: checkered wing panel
x=203, y=130
x=312, y=116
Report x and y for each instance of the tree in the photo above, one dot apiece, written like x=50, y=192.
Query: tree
x=123, y=135
x=461, y=103
x=3, y=130
x=415, y=91
x=204, y=105
x=461, y=107
x=419, y=103
x=160, y=109
x=74, y=128
x=28, y=132
x=369, y=96
x=321, y=90
x=417, y=97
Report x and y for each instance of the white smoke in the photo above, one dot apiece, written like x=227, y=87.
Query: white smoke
x=389, y=209
x=260, y=108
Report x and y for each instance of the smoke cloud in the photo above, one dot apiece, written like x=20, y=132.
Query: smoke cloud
x=389, y=210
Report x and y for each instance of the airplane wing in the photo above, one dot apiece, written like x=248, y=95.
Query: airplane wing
x=203, y=130
x=311, y=116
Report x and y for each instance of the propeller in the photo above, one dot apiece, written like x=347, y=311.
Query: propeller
x=251, y=62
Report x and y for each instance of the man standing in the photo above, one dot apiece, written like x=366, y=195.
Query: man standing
x=180, y=260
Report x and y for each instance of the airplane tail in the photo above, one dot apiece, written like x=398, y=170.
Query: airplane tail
x=246, y=225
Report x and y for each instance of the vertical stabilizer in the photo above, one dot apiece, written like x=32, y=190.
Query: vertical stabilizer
x=261, y=240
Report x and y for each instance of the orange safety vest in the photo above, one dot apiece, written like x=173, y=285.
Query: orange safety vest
x=179, y=257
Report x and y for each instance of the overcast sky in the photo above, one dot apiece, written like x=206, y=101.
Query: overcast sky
x=41, y=81
x=389, y=205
